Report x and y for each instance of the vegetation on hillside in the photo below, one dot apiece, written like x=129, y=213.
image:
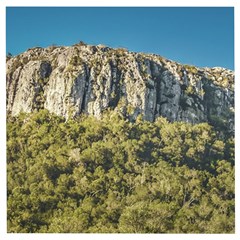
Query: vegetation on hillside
x=111, y=175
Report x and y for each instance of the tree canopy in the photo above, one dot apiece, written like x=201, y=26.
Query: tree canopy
x=111, y=175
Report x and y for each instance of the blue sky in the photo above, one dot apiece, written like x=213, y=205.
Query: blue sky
x=201, y=36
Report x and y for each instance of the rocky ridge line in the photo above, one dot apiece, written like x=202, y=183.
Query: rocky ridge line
x=89, y=79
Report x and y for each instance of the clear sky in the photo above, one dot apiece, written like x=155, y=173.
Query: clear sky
x=201, y=36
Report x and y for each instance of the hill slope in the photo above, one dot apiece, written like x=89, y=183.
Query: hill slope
x=109, y=170
x=115, y=176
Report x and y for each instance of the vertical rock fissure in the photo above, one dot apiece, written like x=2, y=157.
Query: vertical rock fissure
x=14, y=85
x=115, y=86
x=86, y=86
x=158, y=93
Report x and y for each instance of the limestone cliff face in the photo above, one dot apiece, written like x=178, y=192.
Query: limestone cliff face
x=90, y=79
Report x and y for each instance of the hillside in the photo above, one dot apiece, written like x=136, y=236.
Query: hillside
x=114, y=176
x=103, y=140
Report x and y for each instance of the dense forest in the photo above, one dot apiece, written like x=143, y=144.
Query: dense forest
x=111, y=175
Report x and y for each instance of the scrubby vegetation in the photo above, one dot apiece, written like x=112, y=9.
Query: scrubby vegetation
x=112, y=175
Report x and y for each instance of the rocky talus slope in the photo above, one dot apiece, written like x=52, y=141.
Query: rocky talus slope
x=89, y=79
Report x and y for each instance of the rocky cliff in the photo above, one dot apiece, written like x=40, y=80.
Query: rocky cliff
x=89, y=79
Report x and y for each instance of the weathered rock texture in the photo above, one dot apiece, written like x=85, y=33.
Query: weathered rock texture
x=90, y=79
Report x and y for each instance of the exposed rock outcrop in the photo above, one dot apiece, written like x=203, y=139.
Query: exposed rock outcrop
x=90, y=79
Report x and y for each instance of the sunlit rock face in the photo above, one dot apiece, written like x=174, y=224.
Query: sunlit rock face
x=89, y=79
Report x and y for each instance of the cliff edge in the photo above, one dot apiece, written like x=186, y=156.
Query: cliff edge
x=89, y=79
